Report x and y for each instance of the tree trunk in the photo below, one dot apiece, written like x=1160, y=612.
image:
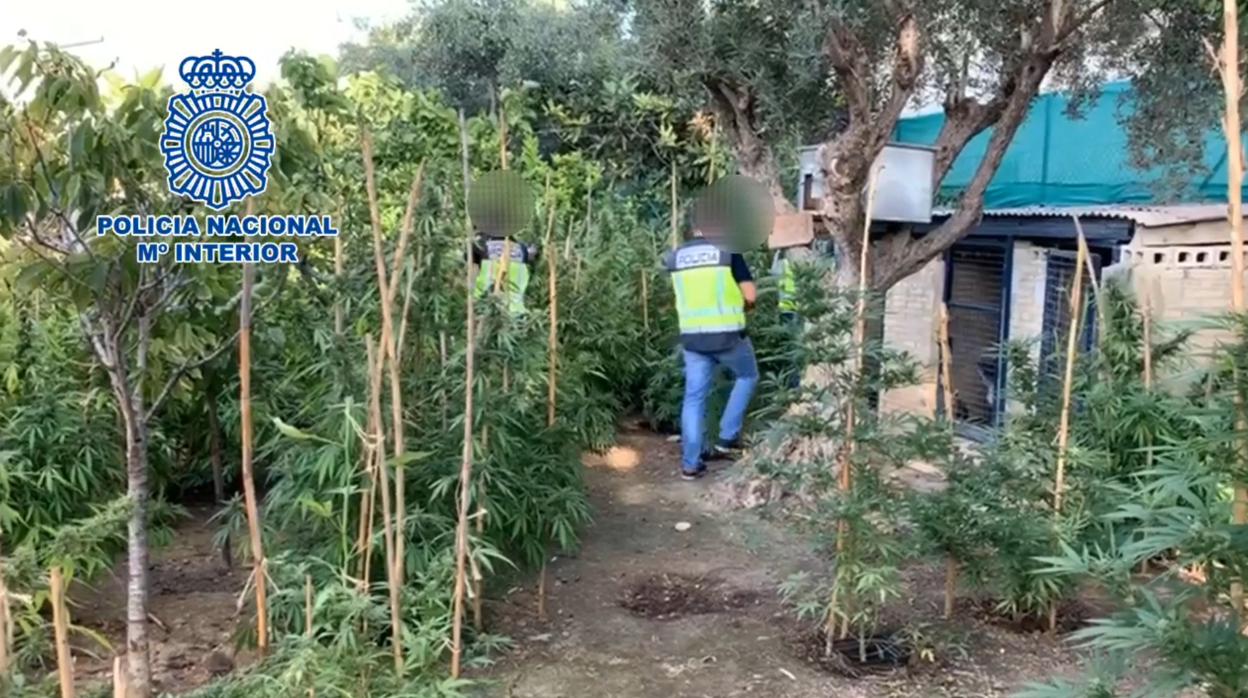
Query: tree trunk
x=138, y=661
x=218, y=472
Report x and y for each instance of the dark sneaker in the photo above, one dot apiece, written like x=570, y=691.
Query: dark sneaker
x=693, y=474
x=725, y=450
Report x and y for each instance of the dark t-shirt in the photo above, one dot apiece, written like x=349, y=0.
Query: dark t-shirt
x=480, y=254
x=715, y=342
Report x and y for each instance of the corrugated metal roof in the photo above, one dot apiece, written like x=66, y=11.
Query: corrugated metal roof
x=1147, y=216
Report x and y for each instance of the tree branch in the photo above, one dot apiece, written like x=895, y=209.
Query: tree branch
x=187, y=366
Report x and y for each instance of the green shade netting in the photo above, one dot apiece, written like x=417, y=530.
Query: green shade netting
x=1059, y=161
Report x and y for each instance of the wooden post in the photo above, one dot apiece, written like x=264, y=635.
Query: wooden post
x=465, y=469
x=1228, y=66
x=249, y=477
x=1063, y=428
x=60, y=627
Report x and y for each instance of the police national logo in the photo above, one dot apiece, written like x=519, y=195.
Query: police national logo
x=218, y=141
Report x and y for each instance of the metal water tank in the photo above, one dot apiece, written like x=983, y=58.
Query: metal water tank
x=903, y=191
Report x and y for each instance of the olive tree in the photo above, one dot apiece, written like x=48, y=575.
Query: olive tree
x=982, y=61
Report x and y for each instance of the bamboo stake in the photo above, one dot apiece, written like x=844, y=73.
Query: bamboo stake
x=946, y=368
x=675, y=224
x=1092, y=282
x=645, y=300
x=465, y=470
x=946, y=363
x=502, y=135
x=1146, y=317
x=120, y=686
x=6, y=627
x=1063, y=428
x=249, y=477
x=552, y=372
x=60, y=626
x=339, y=266
x=387, y=287
x=1072, y=350
x=378, y=452
x=307, y=605
x=553, y=290
x=845, y=459
x=845, y=476
x=1233, y=92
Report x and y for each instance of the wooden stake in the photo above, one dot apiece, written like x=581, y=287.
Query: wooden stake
x=60, y=626
x=645, y=300
x=946, y=369
x=339, y=265
x=249, y=476
x=845, y=458
x=553, y=368
x=541, y=593
x=307, y=605
x=465, y=470
x=1146, y=316
x=553, y=290
x=1063, y=428
x=120, y=686
x=845, y=476
x=675, y=214
x=946, y=364
x=1233, y=92
x=951, y=585
x=1072, y=351
x=387, y=288
x=502, y=134
x=6, y=627
x=378, y=451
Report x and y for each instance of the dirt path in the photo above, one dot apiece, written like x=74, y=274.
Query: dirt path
x=193, y=601
x=593, y=646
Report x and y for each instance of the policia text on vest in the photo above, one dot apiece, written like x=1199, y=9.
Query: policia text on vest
x=713, y=287
x=489, y=253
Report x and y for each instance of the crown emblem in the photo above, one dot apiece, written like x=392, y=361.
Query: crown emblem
x=220, y=72
x=218, y=142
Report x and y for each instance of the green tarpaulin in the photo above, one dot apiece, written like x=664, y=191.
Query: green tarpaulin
x=1059, y=161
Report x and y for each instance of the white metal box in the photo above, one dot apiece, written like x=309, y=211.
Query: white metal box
x=903, y=192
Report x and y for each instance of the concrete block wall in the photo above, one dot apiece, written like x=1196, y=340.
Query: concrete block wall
x=1181, y=284
x=1027, y=289
x=911, y=317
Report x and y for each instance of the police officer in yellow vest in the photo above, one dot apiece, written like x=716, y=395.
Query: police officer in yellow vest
x=504, y=263
x=713, y=288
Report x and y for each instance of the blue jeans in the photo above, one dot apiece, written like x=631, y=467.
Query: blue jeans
x=699, y=377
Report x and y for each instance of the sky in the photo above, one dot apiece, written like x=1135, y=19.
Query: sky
x=143, y=34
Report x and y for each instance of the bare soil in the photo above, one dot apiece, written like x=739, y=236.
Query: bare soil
x=645, y=610
x=194, y=602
